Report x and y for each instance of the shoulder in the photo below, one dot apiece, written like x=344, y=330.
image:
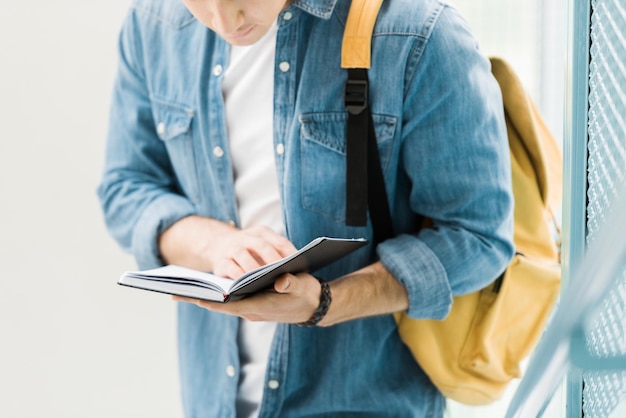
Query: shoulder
x=170, y=13
x=157, y=33
x=435, y=25
x=418, y=18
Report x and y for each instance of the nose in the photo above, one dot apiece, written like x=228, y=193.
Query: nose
x=226, y=16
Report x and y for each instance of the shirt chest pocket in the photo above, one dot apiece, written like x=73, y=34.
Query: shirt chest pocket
x=323, y=159
x=173, y=125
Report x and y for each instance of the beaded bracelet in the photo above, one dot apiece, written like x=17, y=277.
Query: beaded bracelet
x=322, y=309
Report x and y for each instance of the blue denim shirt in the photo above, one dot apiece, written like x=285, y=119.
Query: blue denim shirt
x=442, y=140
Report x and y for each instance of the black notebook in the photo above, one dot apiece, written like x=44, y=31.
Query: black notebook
x=181, y=281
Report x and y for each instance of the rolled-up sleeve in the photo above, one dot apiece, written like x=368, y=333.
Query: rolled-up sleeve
x=455, y=157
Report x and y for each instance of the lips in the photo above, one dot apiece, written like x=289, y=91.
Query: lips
x=240, y=34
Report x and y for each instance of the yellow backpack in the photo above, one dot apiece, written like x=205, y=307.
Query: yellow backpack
x=474, y=353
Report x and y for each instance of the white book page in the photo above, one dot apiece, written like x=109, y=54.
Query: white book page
x=175, y=271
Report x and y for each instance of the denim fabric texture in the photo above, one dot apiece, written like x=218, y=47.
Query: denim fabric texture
x=442, y=140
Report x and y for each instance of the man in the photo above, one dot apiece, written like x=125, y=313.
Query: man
x=226, y=151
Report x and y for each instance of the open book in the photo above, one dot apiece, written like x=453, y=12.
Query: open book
x=181, y=281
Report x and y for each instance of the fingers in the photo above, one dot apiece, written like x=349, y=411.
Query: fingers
x=278, y=247
x=257, y=251
x=294, y=300
x=301, y=285
x=244, y=255
x=283, y=284
x=247, y=249
x=241, y=261
x=303, y=291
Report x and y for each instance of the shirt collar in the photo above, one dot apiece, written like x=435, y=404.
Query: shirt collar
x=319, y=8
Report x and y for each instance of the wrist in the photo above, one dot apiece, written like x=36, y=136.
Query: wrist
x=367, y=292
x=322, y=309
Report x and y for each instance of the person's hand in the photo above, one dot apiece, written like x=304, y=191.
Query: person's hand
x=209, y=245
x=242, y=250
x=293, y=300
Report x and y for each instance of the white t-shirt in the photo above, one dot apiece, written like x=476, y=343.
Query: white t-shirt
x=248, y=90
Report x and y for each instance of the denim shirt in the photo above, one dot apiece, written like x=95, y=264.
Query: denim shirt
x=442, y=140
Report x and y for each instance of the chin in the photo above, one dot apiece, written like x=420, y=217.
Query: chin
x=247, y=39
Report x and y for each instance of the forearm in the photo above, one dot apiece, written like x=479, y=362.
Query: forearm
x=367, y=292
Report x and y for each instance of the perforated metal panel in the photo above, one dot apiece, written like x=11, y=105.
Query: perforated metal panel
x=603, y=391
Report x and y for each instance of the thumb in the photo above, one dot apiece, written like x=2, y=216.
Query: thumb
x=284, y=283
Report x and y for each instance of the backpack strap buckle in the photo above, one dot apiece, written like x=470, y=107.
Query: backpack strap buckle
x=355, y=96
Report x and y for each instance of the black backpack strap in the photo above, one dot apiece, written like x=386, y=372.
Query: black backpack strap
x=356, y=147
x=365, y=184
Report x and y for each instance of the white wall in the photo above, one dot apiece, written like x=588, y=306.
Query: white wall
x=531, y=36
x=72, y=342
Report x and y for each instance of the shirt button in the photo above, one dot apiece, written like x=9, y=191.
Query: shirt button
x=273, y=384
x=287, y=16
x=217, y=70
x=218, y=152
x=280, y=149
x=230, y=371
x=161, y=128
x=284, y=66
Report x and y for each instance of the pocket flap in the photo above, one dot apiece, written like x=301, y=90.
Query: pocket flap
x=171, y=120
